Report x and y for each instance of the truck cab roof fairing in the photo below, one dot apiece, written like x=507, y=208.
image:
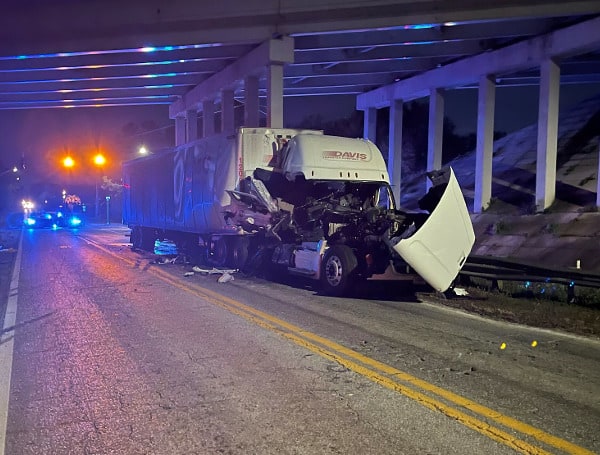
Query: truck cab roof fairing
x=334, y=158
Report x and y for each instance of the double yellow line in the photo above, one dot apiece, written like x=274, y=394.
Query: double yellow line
x=425, y=393
x=390, y=377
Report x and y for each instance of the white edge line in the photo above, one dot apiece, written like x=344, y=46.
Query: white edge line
x=6, y=345
x=591, y=339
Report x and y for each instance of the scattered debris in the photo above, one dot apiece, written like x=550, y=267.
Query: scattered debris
x=461, y=292
x=188, y=274
x=165, y=260
x=226, y=277
x=213, y=271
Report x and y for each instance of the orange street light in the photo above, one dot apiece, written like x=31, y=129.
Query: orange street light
x=99, y=159
x=68, y=162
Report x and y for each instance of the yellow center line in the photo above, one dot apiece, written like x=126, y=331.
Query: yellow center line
x=343, y=355
x=302, y=337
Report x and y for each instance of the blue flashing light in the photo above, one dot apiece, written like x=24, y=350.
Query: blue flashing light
x=74, y=221
x=420, y=26
x=527, y=284
x=29, y=221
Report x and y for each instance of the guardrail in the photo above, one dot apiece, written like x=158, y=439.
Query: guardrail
x=502, y=269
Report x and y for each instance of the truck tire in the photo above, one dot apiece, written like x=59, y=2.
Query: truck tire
x=143, y=238
x=218, y=251
x=337, y=270
x=136, y=238
x=237, y=252
x=148, y=239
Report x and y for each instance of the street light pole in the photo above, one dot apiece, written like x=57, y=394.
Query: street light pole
x=99, y=161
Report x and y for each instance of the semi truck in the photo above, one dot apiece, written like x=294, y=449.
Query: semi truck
x=296, y=201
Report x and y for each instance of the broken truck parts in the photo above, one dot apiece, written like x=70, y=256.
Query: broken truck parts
x=296, y=201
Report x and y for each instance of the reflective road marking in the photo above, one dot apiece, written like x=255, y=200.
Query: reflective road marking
x=6, y=345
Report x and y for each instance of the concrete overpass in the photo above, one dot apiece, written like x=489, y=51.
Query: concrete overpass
x=206, y=58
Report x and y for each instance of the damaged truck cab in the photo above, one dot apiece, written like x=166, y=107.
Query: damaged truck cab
x=305, y=203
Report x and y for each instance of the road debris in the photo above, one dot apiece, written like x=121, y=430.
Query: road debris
x=460, y=292
x=213, y=270
x=165, y=260
x=226, y=277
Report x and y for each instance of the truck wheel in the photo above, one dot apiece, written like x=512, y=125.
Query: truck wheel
x=237, y=252
x=148, y=239
x=339, y=265
x=136, y=238
x=217, y=255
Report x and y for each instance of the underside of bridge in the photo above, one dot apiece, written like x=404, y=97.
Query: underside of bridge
x=203, y=58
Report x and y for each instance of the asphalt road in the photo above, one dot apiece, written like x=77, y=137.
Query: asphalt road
x=110, y=352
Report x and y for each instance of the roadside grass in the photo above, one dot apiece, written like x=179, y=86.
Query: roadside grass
x=544, y=305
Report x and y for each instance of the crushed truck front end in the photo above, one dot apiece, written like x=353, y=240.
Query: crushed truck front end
x=329, y=213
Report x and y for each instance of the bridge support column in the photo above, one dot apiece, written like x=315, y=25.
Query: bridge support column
x=436, y=130
x=191, y=117
x=598, y=177
x=251, y=108
x=485, y=143
x=180, y=130
x=227, y=111
x=395, y=147
x=370, y=124
x=545, y=183
x=208, y=124
x=275, y=96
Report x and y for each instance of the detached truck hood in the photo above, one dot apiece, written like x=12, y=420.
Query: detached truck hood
x=439, y=248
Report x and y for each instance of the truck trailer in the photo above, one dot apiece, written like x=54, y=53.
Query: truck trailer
x=296, y=201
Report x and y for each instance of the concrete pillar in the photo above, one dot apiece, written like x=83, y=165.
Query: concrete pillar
x=180, y=130
x=545, y=183
x=208, y=124
x=227, y=111
x=251, y=108
x=486, y=104
x=395, y=148
x=191, y=117
x=370, y=124
x=598, y=177
x=275, y=96
x=436, y=130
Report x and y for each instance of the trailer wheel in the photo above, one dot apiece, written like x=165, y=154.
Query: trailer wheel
x=143, y=238
x=136, y=237
x=217, y=252
x=148, y=239
x=339, y=266
x=237, y=252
